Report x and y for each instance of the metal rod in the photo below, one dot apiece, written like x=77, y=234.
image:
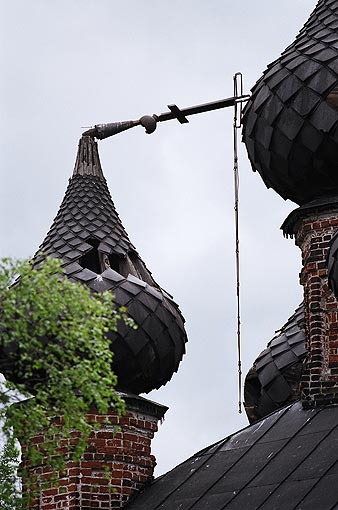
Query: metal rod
x=238, y=91
x=149, y=122
x=206, y=107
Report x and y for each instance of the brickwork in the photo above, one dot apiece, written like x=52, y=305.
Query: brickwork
x=320, y=377
x=116, y=465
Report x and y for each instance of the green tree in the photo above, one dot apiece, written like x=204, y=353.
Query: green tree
x=54, y=347
x=10, y=497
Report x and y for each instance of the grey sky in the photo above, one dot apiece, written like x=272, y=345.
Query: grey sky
x=73, y=63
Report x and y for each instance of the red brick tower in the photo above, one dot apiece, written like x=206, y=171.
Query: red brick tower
x=116, y=465
x=313, y=227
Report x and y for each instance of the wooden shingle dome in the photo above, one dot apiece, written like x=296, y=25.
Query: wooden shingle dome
x=291, y=120
x=87, y=234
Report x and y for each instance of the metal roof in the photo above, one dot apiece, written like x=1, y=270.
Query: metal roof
x=288, y=460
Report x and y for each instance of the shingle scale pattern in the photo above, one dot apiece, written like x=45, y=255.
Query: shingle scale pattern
x=274, y=378
x=145, y=358
x=291, y=120
x=86, y=212
x=287, y=460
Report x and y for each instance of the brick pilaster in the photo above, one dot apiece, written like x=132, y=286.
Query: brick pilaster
x=313, y=233
x=116, y=465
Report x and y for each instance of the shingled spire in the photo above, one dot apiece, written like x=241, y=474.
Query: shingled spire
x=88, y=235
x=87, y=159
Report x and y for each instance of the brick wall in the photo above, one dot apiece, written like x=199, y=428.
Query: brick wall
x=115, y=466
x=320, y=377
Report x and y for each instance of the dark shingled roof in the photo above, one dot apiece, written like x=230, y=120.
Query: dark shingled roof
x=87, y=234
x=274, y=378
x=87, y=213
x=291, y=122
x=288, y=460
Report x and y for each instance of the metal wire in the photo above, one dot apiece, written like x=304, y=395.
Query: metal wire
x=238, y=91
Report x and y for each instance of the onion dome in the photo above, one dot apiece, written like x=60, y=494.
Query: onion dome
x=87, y=234
x=291, y=120
x=274, y=379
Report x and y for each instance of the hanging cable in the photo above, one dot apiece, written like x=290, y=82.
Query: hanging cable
x=238, y=92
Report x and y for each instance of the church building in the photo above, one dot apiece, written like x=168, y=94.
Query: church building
x=287, y=457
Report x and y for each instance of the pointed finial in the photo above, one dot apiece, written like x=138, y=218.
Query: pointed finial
x=87, y=159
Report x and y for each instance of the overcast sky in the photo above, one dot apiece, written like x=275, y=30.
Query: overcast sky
x=72, y=63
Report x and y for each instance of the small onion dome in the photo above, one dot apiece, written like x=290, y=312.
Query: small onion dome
x=290, y=124
x=87, y=234
x=274, y=378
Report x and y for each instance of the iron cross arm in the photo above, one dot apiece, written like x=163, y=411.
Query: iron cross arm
x=149, y=122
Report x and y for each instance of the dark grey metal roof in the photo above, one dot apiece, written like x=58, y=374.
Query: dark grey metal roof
x=87, y=234
x=288, y=460
x=291, y=122
x=275, y=376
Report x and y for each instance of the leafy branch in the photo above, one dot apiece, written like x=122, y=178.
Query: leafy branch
x=53, y=347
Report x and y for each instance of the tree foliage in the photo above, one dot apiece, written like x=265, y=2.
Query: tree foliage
x=10, y=497
x=53, y=347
